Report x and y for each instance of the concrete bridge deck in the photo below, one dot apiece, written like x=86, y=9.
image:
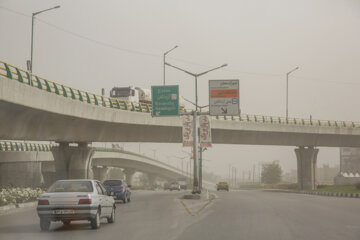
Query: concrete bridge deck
x=28, y=113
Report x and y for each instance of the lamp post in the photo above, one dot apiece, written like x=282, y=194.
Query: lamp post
x=197, y=186
x=287, y=91
x=32, y=34
x=164, y=60
x=196, y=75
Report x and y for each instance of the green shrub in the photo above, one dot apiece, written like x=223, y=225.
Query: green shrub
x=18, y=195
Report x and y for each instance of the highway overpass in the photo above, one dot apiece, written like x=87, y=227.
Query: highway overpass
x=39, y=109
x=13, y=155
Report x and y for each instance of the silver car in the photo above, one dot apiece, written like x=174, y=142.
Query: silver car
x=71, y=200
x=175, y=186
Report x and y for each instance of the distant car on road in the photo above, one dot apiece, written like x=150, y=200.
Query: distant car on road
x=71, y=200
x=182, y=182
x=222, y=186
x=175, y=186
x=166, y=186
x=118, y=189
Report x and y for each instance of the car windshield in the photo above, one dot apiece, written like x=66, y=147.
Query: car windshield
x=112, y=183
x=71, y=186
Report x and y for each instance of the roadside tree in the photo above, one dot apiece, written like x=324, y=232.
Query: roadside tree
x=271, y=172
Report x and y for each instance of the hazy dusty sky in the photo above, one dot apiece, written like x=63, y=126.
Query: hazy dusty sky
x=95, y=44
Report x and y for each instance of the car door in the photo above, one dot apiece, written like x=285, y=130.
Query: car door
x=109, y=200
x=102, y=200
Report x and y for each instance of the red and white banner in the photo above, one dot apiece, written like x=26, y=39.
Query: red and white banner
x=188, y=131
x=205, y=131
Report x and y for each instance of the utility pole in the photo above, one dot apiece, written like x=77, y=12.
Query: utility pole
x=164, y=56
x=235, y=170
x=32, y=36
x=229, y=174
x=287, y=92
x=254, y=173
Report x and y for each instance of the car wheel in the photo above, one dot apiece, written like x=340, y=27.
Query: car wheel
x=95, y=222
x=111, y=219
x=66, y=222
x=129, y=199
x=44, y=224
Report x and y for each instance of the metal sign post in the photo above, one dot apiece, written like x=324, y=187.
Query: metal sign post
x=196, y=188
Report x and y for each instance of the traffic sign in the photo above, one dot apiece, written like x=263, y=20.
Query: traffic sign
x=224, y=97
x=165, y=101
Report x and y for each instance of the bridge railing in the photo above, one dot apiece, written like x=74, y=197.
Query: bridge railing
x=290, y=121
x=33, y=80
x=24, y=147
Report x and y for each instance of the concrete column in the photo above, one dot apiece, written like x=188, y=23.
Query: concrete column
x=306, y=167
x=73, y=162
x=151, y=178
x=129, y=173
x=48, y=172
x=100, y=173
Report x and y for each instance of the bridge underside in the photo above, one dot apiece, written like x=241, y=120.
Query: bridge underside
x=23, y=123
x=28, y=113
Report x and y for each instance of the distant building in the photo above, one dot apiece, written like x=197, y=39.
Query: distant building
x=326, y=174
x=349, y=166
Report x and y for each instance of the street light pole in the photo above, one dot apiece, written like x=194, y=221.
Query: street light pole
x=32, y=34
x=165, y=61
x=287, y=91
x=196, y=187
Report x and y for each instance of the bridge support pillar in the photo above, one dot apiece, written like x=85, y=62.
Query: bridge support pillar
x=151, y=178
x=49, y=173
x=100, y=173
x=129, y=173
x=306, y=167
x=72, y=162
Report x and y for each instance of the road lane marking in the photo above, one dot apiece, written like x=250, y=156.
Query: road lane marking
x=198, y=211
x=186, y=208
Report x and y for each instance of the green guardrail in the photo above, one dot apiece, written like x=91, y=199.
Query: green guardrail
x=33, y=80
x=24, y=147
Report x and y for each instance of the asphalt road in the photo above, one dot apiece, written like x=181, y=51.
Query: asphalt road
x=233, y=215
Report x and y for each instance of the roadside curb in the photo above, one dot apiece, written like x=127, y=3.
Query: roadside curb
x=12, y=207
x=327, y=194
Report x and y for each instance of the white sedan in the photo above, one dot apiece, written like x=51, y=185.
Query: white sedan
x=71, y=200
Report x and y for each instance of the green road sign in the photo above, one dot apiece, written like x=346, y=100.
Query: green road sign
x=165, y=101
